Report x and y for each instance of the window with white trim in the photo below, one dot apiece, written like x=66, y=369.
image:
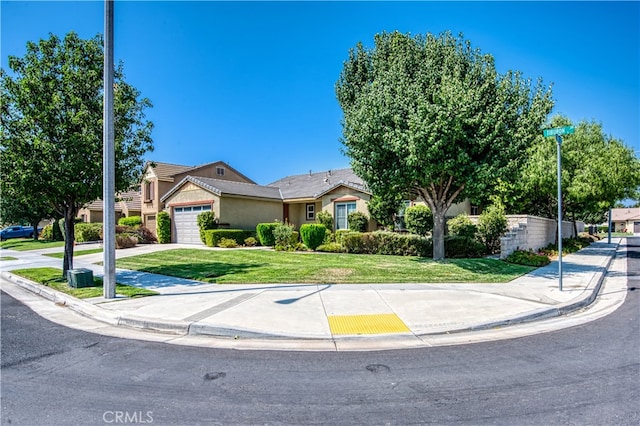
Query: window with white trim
x=342, y=214
x=311, y=211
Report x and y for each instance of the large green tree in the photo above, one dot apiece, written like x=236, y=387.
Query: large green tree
x=52, y=109
x=431, y=115
x=598, y=170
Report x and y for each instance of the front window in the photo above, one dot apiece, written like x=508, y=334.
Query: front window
x=220, y=171
x=399, y=224
x=342, y=213
x=311, y=211
x=148, y=191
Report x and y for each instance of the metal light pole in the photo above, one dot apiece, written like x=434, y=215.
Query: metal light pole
x=108, y=195
x=559, y=141
x=566, y=130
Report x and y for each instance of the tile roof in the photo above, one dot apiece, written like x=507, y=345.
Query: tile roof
x=227, y=187
x=130, y=201
x=166, y=171
x=625, y=214
x=313, y=185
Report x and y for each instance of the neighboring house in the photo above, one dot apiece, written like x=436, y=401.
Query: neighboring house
x=126, y=204
x=239, y=205
x=160, y=178
x=626, y=220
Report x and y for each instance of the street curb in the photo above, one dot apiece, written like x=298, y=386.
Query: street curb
x=545, y=313
x=184, y=328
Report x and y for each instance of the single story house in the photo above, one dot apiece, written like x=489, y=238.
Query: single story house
x=238, y=202
x=625, y=220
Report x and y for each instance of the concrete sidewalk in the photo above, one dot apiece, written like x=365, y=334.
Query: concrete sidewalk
x=347, y=316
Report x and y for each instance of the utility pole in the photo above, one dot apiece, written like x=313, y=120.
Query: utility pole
x=108, y=160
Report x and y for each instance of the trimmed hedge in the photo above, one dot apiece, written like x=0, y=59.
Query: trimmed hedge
x=265, y=233
x=462, y=247
x=85, y=232
x=528, y=258
x=163, y=227
x=213, y=237
x=392, y=243
x=206, y=220
x=313, y=234
x=358, y=221
x=389, y=243
x=130, y=221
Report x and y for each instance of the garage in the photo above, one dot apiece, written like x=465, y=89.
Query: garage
x=185, y=221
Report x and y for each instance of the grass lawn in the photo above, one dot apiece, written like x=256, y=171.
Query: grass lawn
x=75, y=253
x=8, y=258
x=24, y=244
x=52, y=277
x=258, y=266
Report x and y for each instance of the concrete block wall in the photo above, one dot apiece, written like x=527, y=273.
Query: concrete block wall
x=532, y=232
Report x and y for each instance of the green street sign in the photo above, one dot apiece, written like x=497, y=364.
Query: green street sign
x=566, y=130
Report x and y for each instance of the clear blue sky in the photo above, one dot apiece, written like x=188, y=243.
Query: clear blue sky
x=252, y=83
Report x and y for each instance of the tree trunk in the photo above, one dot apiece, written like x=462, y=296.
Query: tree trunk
x=438, y=234
x=69, y=232
x=35, y=231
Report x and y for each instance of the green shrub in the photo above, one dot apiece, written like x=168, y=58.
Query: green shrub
x=462, y=226
x=313, y=234
x=86, y=232
x=47, y=233
x=325, y=218
x=492, y=225
x=387, y=243
x=227, y=243
x=250, y=242
x=358, y=221
x=329, y=237
x=206, y=221
x=418, y=219
x=212, y=237
x=340, y=233
x=462, y=247
x=330, y=248
x=163, y=227
x=265, y=233
x=57, y=232
x=603, y=229
x=528, y=258
x=130, y=221
x=284, y=236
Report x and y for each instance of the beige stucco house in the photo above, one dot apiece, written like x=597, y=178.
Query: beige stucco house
x=625, y=220
x=160, y=178
x=126, y=204
x=238, y=202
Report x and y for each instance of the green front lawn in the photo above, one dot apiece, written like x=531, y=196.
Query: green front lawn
x=24, y=244
x=52, y=277
x=75, y=253
x=258, y=266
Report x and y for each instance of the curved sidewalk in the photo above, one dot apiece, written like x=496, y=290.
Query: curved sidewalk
x=336, y=316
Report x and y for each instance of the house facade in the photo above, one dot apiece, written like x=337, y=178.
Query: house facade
x=240, y=203
x=625, y=220
x=126, y=204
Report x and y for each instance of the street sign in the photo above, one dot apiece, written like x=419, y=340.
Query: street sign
x=566, y=130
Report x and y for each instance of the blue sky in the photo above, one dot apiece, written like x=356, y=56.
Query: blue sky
x=252, y=83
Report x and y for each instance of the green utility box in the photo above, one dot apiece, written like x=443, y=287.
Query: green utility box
x=79, y=278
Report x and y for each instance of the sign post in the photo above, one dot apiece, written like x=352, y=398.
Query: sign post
x=558, y=132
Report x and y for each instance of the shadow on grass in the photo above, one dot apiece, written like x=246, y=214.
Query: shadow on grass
x=189, y=274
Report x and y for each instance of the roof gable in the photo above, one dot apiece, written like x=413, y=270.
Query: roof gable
x=314, y=185
x=226, y=187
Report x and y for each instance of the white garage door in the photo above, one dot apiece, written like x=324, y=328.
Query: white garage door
x=186, y=223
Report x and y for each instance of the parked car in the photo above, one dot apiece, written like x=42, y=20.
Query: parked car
x=17, y=232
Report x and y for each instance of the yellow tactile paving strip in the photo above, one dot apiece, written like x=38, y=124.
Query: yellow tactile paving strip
x=367, y=324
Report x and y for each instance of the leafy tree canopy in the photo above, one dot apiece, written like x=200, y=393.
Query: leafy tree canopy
x=52, y=110
x=431, y=115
